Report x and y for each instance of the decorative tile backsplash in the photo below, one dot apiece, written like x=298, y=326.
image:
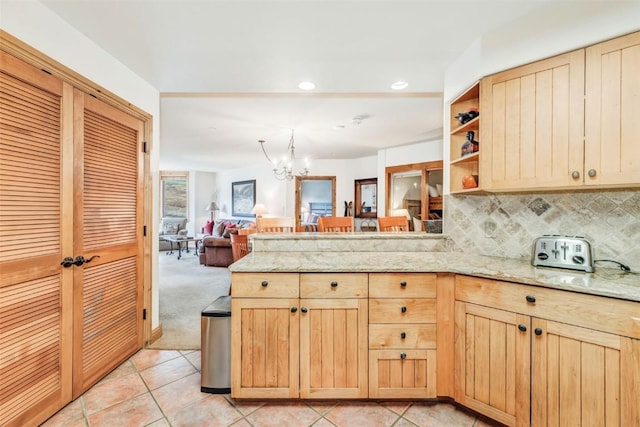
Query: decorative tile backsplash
x=506, y=225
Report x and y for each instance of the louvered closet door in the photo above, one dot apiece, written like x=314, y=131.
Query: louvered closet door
x=36, y=197
x=108, y=225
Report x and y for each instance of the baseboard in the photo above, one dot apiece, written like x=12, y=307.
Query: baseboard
x=156, y=334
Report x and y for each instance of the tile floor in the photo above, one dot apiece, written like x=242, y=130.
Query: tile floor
x=162, y=388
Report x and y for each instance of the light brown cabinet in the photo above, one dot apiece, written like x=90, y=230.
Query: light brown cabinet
x=533, y=125
x=560, y=123
x=612, y=151
x=532, y=356
x=402, y=335
x=309, y=343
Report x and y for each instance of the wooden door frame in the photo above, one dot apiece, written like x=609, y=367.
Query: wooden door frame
x=298, y=195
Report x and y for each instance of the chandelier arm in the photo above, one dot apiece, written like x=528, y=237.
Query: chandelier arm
x=265, y=153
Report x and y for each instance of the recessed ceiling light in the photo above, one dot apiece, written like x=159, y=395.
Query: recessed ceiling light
x=307, y=85
x=399, y=85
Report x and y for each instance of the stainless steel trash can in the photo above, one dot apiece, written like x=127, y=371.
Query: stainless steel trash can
x=216, y=347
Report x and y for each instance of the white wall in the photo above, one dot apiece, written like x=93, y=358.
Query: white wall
x=202, y=191
x=43, y=30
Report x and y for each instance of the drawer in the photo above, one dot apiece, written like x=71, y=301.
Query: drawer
x=391, y=336
x=405, y=374
x=402, y=285
x=265, y=285
x=405, y=310
x=334, y=285
x=590, y=311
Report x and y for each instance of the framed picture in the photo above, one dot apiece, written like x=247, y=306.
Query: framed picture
x=243, y=197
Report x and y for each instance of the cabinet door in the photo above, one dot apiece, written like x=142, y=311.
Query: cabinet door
x=583, y=377
x=612, y=152
x=492, y=362
x=533, y=125
x=333, y=348
x=264, y=348
x=36, y=203
x=402, y=373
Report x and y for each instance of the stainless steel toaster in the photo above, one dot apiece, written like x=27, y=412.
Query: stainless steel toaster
x=573, y=252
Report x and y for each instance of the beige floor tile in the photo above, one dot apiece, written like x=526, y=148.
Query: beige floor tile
x=160, y=423
x=112, y=392
x=438, y=414
x=285, y=414
x=137, y=412
x=397, y=407
x=241, y=423
x=167, y=372
x=195, y=358
x=67, y=415
x=178, y=394
x=147, y=358
x=213, y=411
x=245, y=407
x=123, y=370
x=402, y=422
x=322, y=407
x=322, y=422
x=368, y=414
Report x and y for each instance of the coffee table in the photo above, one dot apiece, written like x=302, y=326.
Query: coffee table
x=179, y=241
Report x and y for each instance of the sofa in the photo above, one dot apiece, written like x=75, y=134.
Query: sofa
x=215, y=249
x=171, y=226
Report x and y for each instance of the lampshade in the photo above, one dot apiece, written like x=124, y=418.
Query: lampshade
x=212, y=207
x=259, y=209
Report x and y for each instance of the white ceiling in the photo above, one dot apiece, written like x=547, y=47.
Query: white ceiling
x=228, y=71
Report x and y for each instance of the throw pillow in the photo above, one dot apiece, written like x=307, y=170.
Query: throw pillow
x=218, y=229
x=231, y=228
x=208, y=228
x=171, y=228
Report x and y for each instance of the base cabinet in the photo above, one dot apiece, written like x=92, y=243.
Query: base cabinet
x=524, y=370
x=492, y=362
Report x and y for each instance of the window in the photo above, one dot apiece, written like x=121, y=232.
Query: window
x=173, y=194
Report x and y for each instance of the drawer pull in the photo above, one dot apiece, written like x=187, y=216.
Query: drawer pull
x=403, y=284
x=403, y=356
x=537, y=331
x=264, y=283
x=304, y=309
x=294, y=309
x=531, y=299
x=403, y=309
x=334, y=284
x=522, y=327
x=403, y=335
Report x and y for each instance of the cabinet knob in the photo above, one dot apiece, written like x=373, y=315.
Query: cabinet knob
x=522, y=327
x=403, y=335
x=403, y=309
x=304, y=309
x=531, y=298
x=575, y=174
x=294, y=309
x=537, y=331
x=264, y=283
x=403, y=284
x=334, y=284
x=592, y=173
x=403, y=356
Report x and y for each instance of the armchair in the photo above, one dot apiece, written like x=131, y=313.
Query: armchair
x=171, y=226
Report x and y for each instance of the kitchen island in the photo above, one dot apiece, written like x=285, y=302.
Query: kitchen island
x=373, y=316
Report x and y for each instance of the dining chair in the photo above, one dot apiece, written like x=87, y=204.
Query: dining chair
x=239, y=245
x=394, y=224
x=275, y=225
x=336, y=224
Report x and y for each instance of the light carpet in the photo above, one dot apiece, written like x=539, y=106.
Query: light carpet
x=185, y=289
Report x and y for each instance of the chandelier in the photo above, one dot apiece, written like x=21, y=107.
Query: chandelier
x=283, y=169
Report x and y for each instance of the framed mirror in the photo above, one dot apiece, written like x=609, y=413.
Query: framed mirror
x=315, y=197
x=366, y=195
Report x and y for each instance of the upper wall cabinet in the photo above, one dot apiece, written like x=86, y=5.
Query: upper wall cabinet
x=612, y=126
x=547, y=126
x=465, y=149
x=532, y=125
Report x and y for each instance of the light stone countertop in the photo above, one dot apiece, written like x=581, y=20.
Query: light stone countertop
x=604, y=282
